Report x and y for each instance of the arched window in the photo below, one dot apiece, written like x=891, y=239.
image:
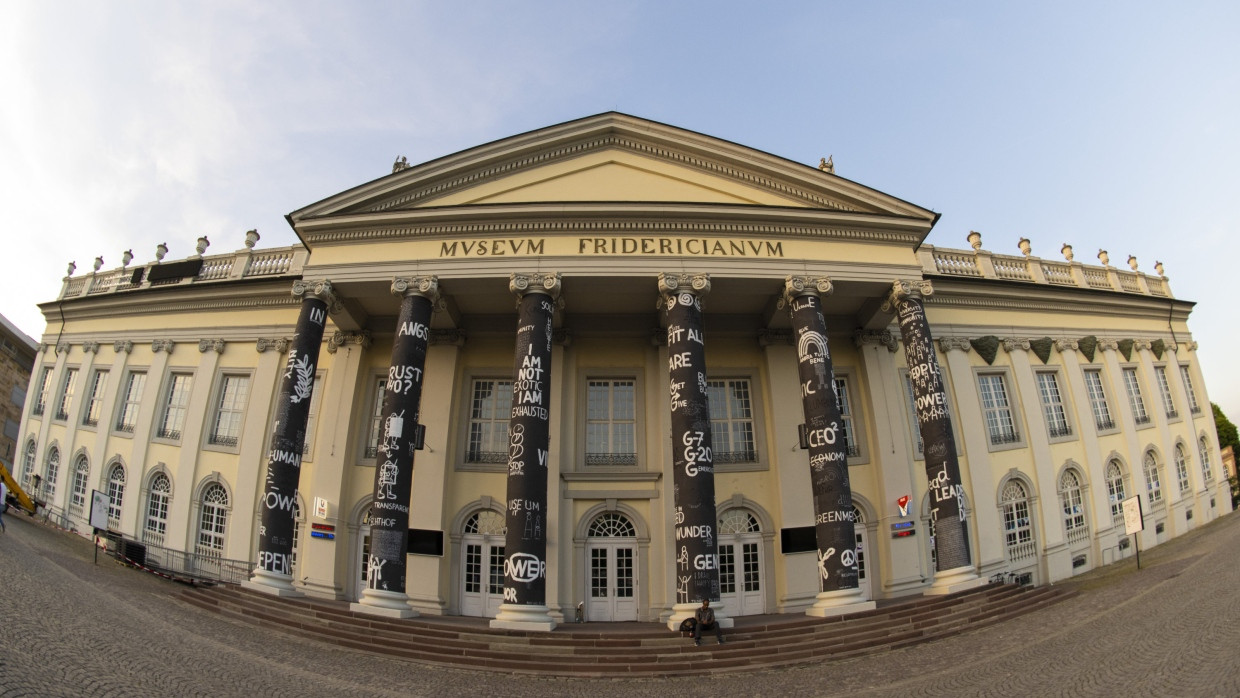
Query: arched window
x=1181, y=468
x=486, y=523
x=51, y=472
x=1071, y=502
x=28, y=463
x=81, y=476
x=116, y=494
x=1152, y=482
x=612, y=525
x=738, y=521
x=1203, y=452
x=157, y=509
x=1017, y=528
x=213, y=520
x=1115, y=489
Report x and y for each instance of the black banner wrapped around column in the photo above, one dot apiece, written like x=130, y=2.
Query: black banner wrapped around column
x=275, y=532
x=824, y=429
x=697, y=561
x=938, y=440
x=402, y=397
x=525, y=545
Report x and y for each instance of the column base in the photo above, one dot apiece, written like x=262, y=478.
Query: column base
x=271, y=583
x=954, y=580
x=841, y=602
x=513, y=616
x=389, y=604
x=681, y=611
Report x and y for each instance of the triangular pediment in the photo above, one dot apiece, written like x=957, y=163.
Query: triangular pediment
x=610, y=157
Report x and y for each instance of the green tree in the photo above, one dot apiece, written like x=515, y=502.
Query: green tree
x=1227, y=433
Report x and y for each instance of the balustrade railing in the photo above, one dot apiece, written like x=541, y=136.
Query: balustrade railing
x=233, y=265
x=985, y=264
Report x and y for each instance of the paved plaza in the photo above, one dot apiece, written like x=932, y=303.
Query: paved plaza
x=69, y=627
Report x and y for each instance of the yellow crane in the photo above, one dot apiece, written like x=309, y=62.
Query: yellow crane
x=23, y=499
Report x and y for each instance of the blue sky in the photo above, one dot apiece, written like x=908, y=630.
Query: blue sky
x=1105, y=125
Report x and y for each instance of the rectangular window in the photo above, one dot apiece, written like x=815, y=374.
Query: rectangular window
x=844, y=398
x=1187, y=377
x=997, y=409
x=1098, y=400
x=1052, y=405
x=18, y=396
x=66, y=394
x=912, y=414
x=95, y=403
x=376, y=418
x=731, y=420
x=1133, y=386
x=1164, y=389
x=611, y=422
x=489, y=405
x=45, y=384
x=227, y=428
x=312, y=419
x=128, y=415
x=174, y=406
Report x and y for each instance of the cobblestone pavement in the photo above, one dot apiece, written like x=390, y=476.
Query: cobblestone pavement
x=69, y=627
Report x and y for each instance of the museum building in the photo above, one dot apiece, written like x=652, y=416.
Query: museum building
x=1069, y=387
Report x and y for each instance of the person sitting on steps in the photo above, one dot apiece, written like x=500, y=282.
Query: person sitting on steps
x=705, y=618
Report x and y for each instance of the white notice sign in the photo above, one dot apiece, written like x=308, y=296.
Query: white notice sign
x=1133, y=522
x=99, y=510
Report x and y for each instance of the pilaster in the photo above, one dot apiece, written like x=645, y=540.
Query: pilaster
x=196, y=415
x=252, y=445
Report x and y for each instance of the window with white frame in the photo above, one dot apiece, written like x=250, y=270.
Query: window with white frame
x=731, y=420
x=844, y=397
x=1153, y=483
x=1017, y=527
x=157, y=509
x=175, y=404
x=611, y=422
x=212, y=521
x=81, y=476
x=51, y=472
x=1181, y=468
x=94, y=403
x=45, y=384
x=912, y=414
x=1098, y=400
x=1052, y=404
x=312, y=419
x=116, y=494
x=997, y=408
x=1073, y=506
x=28, y=462
x=376, y=418
x=230, y=410
x=1203, y=452
x=127, y=417
x=1115, y=489
x=1164, y=389
x=66, y=394
x=1133, y=386
x=489, y=404
x=1187, y=377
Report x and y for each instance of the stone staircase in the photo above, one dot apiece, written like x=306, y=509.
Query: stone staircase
x=628, y=649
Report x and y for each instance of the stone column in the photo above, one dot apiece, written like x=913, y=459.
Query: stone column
x=828, y=453
x=697, y=560
x=273, y=574
x=525, y=545
x=955, y=571
x=402, y=398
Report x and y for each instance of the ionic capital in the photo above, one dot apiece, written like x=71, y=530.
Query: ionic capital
x=1108, y=344
x=340, y=339
x=796, y=286
x=947, y=344
x=1142, y=344
x=901, y=289
x=1063, y=345
x=205, y=345
x=63, y=347
x=321, y=290
x=1190, y=345
x=280, y=345
x=1011, y=345
x=90, y=347
x=876, y=337
x=546, y=283
x=159, y=345
x=425, y=286
x=674, y=283
x=122, y=346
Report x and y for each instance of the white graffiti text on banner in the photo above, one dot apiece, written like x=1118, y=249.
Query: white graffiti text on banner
x=848, y=559
x=516, y=449
x=826, y=436
x=675, y=333
x=706, y=562
x=698, y=456
x=527, y=388
x=518, y=505
x=683, y=532
x=393, y=427
x=301, y=365
x=401, y=379
x=942, y=490
x=387, y=480
x=675, y=388
x=274, y=562
x=374, y=572
x=680, y=360
x=823, y=557
x=827, y=517
x=510, y=595
x=274, y=500
x=285, y=457
x=530, y=411
x=413, y=329
x=524, y=567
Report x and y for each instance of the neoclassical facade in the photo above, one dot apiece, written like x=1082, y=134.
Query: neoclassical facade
x=1067, y=388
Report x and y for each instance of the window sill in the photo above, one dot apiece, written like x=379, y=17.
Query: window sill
x=221, y=448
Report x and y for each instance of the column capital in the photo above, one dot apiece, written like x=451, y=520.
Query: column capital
x=265, y=343
x=315, y=289
x=947, y=344
x=674, y=283
x=339, y=339
x=122, y=345
x=159, y=345
x=901, y=289
x=205, y=345
x=425, y=286
x=544, y=282
x=1108, y=344
x=62, y=347
x=1065, y=345
x=90, y=347
x=1011, y=345
x=795, y=286
x=879, y=337
x=1142, y=344
x=1190, y=345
